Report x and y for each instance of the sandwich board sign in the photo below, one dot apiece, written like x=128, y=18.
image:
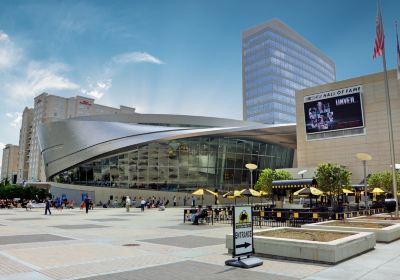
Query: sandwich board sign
x=243, y=238
x=242, y=231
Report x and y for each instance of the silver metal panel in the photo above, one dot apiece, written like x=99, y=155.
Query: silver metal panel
x=69, y=142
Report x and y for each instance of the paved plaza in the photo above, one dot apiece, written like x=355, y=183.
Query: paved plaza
x=112, y=244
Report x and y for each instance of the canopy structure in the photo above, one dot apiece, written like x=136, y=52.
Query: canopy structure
x=294, y=184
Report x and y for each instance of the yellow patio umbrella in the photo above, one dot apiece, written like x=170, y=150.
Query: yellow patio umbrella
x=248, y=193
x=378, y=190
x=203, y=191
x=375, y=192
x=346, y=191
x=232, y=195
x=263, y=193
x=308, y=191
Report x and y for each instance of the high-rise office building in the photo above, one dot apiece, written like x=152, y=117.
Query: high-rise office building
x=25, y=135
x=276, y=61
x=50, y=108
x=9, y=163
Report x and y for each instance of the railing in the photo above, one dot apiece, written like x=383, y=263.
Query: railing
x=279, y=217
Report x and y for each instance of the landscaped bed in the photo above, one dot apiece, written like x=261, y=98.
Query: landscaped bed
x=357, y=224
x=310, y=235
x=378, y=217
x=326, y=246
x=385, y=231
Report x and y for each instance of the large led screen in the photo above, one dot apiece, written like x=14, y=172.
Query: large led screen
x=334, y=110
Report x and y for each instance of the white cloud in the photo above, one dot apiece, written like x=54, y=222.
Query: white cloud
x=3, y=36
x=98, y=89
x=136, y=57
x=10, y=54
x=40, y=77
x=104, y=84
x=93, y=93
x=16, y=119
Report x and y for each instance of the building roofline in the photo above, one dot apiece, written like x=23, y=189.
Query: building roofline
x=279, y=26
x=355, y=80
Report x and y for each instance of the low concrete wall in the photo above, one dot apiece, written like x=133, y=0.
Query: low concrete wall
x=103, y=194
x=324, y=252
x=370, y=219
x=387, y=234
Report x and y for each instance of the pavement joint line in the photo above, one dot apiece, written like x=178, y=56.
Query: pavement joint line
x=124, y=270
x=31, y=266
x=377, y=266
x=91, y=262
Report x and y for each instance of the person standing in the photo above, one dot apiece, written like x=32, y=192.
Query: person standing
x=128, y=203
x=193, y=201
x=47, y=206
x=142, y=204
x=87, y=204
x=174, y=201
x=184, y=201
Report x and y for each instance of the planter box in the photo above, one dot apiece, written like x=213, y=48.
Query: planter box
x=378, y=218
x=386, y=235
x=324, y=252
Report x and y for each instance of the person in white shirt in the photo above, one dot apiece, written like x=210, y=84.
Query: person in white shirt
x=142, y=204
x=128, y=203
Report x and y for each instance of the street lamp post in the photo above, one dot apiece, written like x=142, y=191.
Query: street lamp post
x=364, y=157
x=251, y=167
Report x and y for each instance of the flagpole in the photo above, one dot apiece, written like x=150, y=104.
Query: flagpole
x=391, y=142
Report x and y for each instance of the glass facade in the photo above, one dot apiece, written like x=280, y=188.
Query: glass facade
x=184, y=164
x=274, y=68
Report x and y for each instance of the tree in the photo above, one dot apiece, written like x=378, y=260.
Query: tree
x=332, y=178
x=383, y=180
x=264, y=182
x=282, y=175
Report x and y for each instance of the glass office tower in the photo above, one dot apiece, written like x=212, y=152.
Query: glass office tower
x=276, y=62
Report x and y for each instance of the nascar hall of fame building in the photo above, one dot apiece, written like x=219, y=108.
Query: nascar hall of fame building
x=338, y=120
x=134, y=154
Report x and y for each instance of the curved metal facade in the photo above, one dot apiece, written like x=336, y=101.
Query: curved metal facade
x=123, y=153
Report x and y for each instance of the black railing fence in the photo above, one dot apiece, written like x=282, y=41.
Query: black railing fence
x=278, y=217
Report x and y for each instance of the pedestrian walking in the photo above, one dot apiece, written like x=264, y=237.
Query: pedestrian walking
x=48, y=203
x=87, y=204
x=142, y=204
x=127, y=203
x=174, y=201
x=29, y=205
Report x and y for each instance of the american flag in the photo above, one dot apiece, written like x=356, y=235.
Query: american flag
x=380, y=37
x=398, y=54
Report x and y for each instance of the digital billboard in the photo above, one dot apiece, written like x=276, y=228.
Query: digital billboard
x=334, y=110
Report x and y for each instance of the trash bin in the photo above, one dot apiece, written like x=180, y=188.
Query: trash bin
x=390, y=204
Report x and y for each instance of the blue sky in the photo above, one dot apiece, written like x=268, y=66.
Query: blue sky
x=181, y=57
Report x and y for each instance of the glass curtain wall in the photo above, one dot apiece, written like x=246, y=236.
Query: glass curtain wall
x=275, y=67
x=183, y=164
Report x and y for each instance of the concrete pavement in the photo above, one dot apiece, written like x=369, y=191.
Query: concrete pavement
x=112, y=244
